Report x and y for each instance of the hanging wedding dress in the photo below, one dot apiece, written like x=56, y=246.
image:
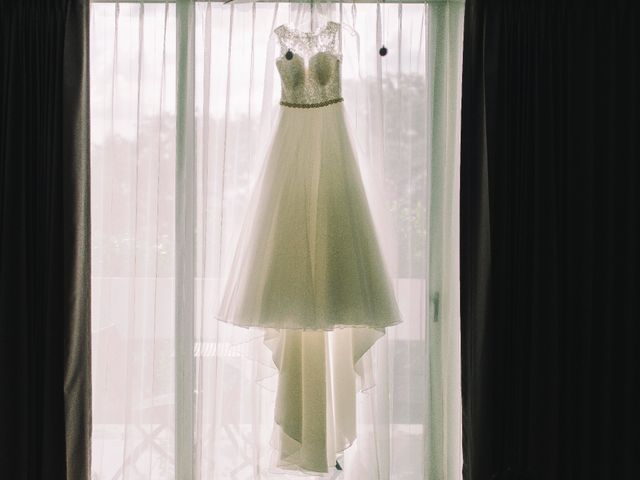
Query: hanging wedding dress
x=308, y=268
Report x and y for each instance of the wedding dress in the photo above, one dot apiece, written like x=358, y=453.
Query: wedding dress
x=308, y=268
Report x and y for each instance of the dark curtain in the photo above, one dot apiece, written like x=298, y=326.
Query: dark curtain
x=44, y=240
x=549, y=240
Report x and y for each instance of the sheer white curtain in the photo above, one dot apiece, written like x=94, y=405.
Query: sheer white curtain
x=183, y=98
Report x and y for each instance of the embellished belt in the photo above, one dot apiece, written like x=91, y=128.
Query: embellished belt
x=311, y=105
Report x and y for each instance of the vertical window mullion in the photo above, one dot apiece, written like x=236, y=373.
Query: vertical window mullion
x=185, y=208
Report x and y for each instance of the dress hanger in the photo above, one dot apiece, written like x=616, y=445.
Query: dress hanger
x=314, y=14
x=318, y=15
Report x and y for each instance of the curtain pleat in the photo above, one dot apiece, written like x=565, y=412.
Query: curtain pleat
x=549, y=240
x=44, y=241
x=77, y=240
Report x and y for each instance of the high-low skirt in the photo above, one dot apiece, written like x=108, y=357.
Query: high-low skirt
x=309, y=270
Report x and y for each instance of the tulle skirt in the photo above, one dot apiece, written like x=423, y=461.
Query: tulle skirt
x=309, y=270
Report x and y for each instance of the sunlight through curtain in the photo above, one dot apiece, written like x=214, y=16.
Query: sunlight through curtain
x=183, y=102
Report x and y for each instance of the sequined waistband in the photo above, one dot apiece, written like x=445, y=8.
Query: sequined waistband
x=311, y=105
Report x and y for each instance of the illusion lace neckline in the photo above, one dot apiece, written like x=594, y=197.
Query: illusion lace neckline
x=312, y=33
x=307, y=44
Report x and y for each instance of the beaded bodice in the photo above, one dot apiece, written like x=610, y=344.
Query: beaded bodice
x=309, y=66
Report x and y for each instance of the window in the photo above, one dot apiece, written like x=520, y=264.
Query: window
x=147, y=96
